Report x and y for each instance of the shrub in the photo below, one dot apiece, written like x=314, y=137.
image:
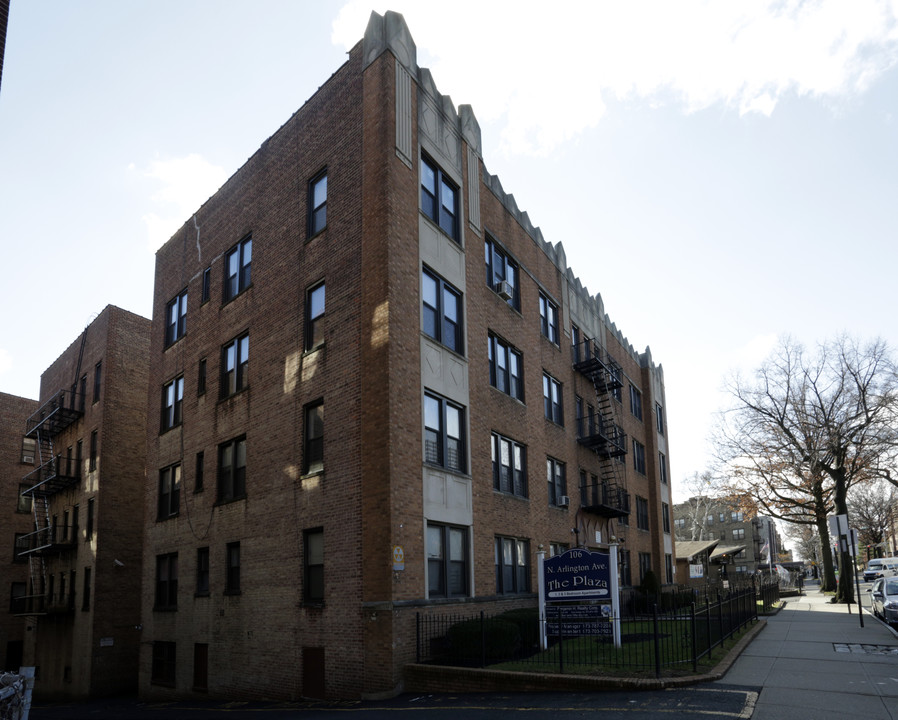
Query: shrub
x=502, y=638
x=527, y=620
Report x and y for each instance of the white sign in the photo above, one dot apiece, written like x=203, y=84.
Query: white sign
x=696, y=571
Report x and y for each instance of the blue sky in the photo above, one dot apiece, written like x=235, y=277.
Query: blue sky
x=722, y=173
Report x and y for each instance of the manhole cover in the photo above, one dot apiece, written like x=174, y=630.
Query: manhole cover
x=860, y=649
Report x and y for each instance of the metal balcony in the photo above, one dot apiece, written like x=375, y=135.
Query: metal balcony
x=605, y=499
x=602, y=370
x=47, y=541
x=52, y=477
x=56, y=414
x=602, y=437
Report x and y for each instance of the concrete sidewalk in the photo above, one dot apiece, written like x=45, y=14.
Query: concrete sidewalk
x=813, y=660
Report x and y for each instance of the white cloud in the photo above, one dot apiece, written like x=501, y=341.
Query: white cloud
x=698, y=53
x=187, y=182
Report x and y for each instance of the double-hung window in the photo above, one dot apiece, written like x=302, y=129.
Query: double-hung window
x=166, y=582
x=172, y=401
x=313, y=447
x=553, y=406
x=548, y=318
x=169, y=492
x=642, y=513
x=98, y=376
x=163, y=668
x=202, y=571
x=232, y=569
x=502, y=273
x=555, y=476
x=659, y=418
x=636, y=402
x=235, y=365
x=176, y=318
x=238, y=264
x=444, y=433
x=645, y=564
x=441, y=311
x=318, y=203
x=512, y=565
x=313, y=566
x=315, y=316
x=662, y=468
x=639, y=457
x=447, y=561
x=739, y=534
x=665, y=517
x=232, y=470
x=439, y=198
x=506, y=368
x=509, y=466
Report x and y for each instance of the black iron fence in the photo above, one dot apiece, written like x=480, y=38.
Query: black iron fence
x=669, y=633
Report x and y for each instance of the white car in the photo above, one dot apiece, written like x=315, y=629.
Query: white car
x=885, y=599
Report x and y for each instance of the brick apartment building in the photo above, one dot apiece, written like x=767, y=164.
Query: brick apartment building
x=81, y=614
x=16, y=459
x=375, y=390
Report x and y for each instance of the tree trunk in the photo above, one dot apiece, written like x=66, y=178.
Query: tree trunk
x=828, y=575
x=845, y=591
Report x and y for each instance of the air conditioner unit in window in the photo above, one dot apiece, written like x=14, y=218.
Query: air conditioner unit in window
x=28, y=459
x=564, y=501
x=505, y=290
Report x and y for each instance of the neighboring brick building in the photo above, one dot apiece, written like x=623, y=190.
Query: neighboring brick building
x=82, y=611
x=405, y=441
x=16, y=460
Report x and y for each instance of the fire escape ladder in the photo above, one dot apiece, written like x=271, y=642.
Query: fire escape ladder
x=605, y=435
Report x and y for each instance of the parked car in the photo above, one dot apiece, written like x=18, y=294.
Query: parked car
x=881, y=567
x=885, y=599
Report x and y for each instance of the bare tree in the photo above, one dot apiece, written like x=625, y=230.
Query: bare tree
x=810, y=427
x=872, y=509
x=702, y=489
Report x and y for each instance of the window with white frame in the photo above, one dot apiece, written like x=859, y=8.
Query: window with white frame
x=548, y=318
x=512, y=565
x=553, y=405
x=172, y=402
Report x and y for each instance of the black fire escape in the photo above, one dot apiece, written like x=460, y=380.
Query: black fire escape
x=53, y=475
x=599, y=431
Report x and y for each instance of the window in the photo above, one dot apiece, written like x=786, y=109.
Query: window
x=199, y=475
x=232, y=569
x=166, y=582
x=82, y=393
x=668, y=568
x=575, y=343
x=555, y=476
x=172, y=401
x=89, y=529
x=578, y=414
x=201, y=377
x=238, y=263
x=506, y=368
x=315, y=317
x=737, y=516
x=642, y=513
x=444, y=437
x=509, y=466
x=645, y=564
x=313, y=566
x=439, y=198
x=553, y=405
x=176, y=318
x=18, y=546
x=639, y=457
x=557, y=548
x=235, y=366
x=163, y=670
x=169, y=492
x=98, y=374
x=624, y=567
x=23, y=502
x=85, y=594
x=17, y=593
x=442, y=311
x=617, y=382
x=313, y=448
x=232, y=470
x=318, y=203
x=92, y=463
x=548, y=318
x=202, y=571
x=723, y=535
x=659, y=418
x=207, y=285
x=635, y=402
x=512, y=566
x=502, y=273
x=739, y=534
x=723, y=517
x=447, y=561
x=665, y=517
x=29, y=449
x=79, y=448
x=662, y=468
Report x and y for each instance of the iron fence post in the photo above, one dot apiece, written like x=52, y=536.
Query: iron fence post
x=482, y=640
x=657, y=640
x=694, y=638
x=560, y=641
x=418, y=637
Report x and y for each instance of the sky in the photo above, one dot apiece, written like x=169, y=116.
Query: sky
x=724, y=174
